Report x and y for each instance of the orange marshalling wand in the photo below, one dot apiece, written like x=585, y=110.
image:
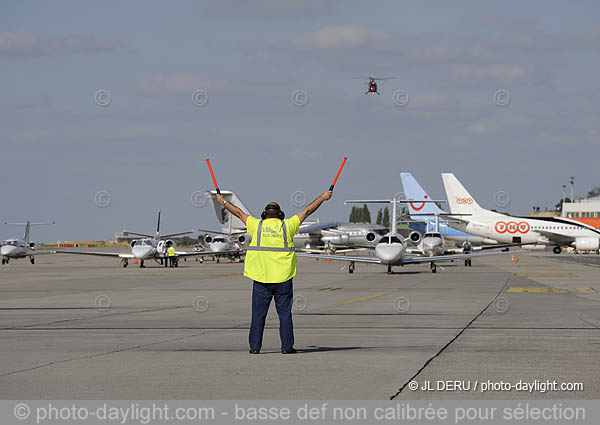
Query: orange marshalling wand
x=338, y=174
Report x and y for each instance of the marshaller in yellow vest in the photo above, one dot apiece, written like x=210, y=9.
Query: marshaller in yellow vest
x=171, y=255
x=271, y=263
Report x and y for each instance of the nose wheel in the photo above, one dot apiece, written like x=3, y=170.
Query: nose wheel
x=389, y=271
x=32, y=260
x=4, y=261
x=125, y=263
x=468, y=262
x=351, y=267
x=433, y=268
x=142, y=264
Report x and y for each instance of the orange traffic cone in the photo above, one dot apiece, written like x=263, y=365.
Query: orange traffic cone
x=135, y=261
x=329, y=260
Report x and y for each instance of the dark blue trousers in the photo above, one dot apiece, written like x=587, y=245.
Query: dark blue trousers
x=262, y=293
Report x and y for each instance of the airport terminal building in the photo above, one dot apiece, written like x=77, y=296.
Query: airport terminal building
x=585, y=210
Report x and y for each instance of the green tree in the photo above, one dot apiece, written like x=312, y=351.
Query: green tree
x=594, y=192
x=353, y=215
x=366, y=218
x=379, y=216
x=558, y=206
x=386, y=217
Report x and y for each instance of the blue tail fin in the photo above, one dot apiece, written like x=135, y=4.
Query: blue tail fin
x=413, y=190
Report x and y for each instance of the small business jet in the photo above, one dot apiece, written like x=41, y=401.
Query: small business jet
x=149, y=247
x=21, y=247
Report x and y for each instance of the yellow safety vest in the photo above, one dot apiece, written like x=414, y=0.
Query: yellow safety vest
x=171, y=252
x=271, y=256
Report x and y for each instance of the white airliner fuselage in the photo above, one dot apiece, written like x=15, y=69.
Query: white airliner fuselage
x=553, y=231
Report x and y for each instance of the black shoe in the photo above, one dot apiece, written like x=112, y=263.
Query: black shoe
x=289, y=351
x=253, y=351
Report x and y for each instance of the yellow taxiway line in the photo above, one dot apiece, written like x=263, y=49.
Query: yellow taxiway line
x=359, y=299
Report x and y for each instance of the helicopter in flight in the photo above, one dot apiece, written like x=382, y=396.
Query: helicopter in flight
x=372, y=85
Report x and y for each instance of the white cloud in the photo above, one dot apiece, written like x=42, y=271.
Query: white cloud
x=28, y=44
x=340, y=37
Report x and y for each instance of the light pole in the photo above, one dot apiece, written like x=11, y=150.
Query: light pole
x=564, y=188
x=572, y=181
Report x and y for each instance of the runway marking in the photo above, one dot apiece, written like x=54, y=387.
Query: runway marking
x=329, y=289
x=546, y=290
x=544, y=275
x=359, y=299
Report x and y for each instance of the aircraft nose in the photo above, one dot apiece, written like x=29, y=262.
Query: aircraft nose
x=141, y=252
x=389, y=254
x=6, y=250
x=432, y=243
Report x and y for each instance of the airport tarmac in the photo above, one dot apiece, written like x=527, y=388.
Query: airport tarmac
x=85, y=328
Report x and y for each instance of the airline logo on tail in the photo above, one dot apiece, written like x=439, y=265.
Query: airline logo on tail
x=420, y=207
x=464, y=201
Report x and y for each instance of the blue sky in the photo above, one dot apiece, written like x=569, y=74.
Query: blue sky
x=147, y=148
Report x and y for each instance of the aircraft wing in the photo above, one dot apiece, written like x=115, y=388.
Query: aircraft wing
x=99, y=254
x=413, y=251
x=438, y=258
x=44, y=252
x=201, y=253
x=143, y=235
x=498, y=246
x=323, y=251
x=177, y=234
x=560, y=239
x=340, y=257
x=317, y=227
x=485, y=247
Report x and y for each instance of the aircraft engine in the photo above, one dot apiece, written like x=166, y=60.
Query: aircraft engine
x=587, y=243
x=244, y=239
x=208, y=239
x=336, y=238
x=415, y=237
x=133, y=243
x=169, y=243
x=31, y=245
x=372, y=238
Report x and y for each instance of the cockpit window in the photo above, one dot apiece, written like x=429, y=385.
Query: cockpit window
x=395, y=240
x=11, y=242
x=145, y=242
x=433, y=235
x=385, y=239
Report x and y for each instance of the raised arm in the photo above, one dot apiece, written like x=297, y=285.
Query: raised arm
x=232, y=208
x=312, y=207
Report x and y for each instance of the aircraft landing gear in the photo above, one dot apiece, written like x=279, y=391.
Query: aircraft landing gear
x=142, y=264
x=467, y=262
x=3, y=261
x=32, y=260
x=557, y=250
x=389, y=269
x=433, y=268
x=125, y=262
x=351, y=267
